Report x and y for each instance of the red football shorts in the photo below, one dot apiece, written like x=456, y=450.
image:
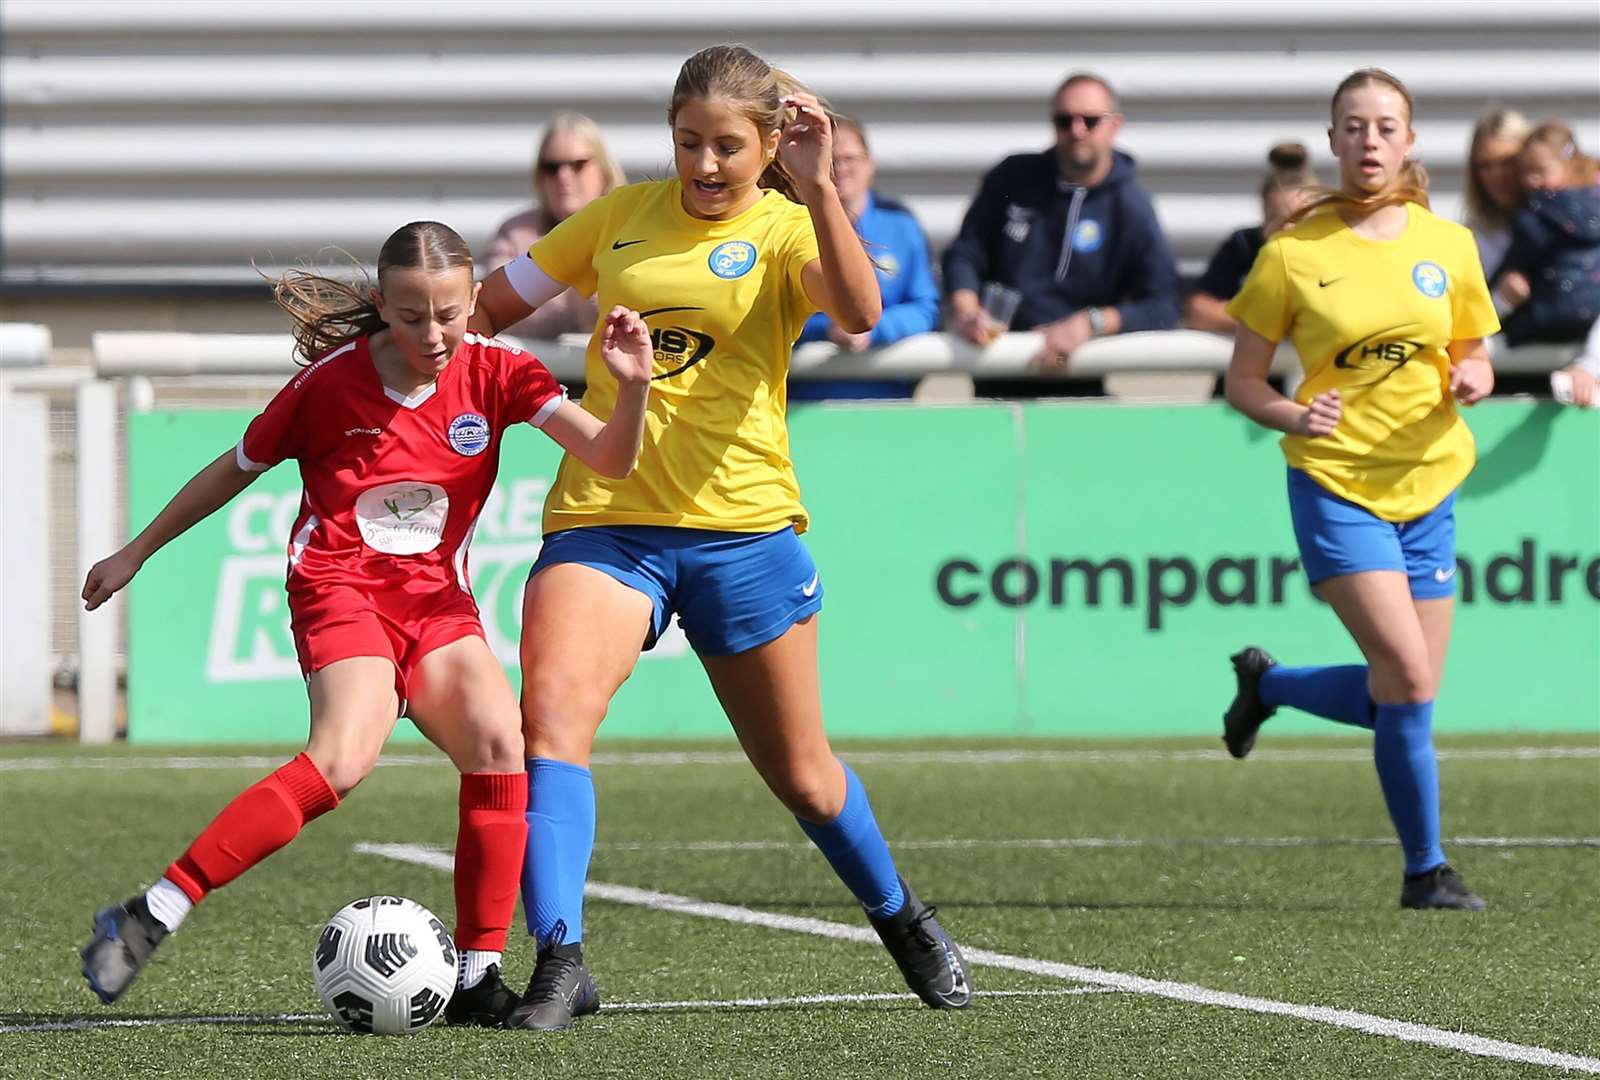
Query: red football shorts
x=337, y=622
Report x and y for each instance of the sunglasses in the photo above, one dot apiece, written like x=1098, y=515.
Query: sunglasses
x=553, y=168
x=1064, y=120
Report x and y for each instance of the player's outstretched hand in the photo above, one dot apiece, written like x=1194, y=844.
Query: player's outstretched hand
x=1471, y=380
x=806, y=145
x=1322, y=416
x=625, y=346
x=107, y=577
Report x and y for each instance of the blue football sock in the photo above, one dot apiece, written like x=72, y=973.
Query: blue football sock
x=1408, y=771
x=560, y=840
x=1335, y=693
x=856, y=850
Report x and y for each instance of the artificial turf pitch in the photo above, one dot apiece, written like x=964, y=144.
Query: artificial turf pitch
x=1272, y=878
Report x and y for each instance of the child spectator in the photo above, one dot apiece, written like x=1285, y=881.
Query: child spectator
x=1555, y=241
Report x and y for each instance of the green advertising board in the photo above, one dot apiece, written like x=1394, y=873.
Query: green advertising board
x=1039, y=569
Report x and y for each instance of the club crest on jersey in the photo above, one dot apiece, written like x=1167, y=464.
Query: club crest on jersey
x=1087, y=236
x=733, y=259
x=1429, y=278
x=469, y=434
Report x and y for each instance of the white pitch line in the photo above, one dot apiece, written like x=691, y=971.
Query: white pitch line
x=158, y=1021
x=1115, y=980
x=1048, y=843
x=610, y=1007
x=662, y=758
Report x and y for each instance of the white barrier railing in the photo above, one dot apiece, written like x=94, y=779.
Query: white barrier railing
x=121, y=354
x=24, y=345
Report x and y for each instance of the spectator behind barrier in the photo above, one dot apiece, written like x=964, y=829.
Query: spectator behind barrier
x=1282, y=191
x=898, y=248
x=1579, y=382
x=1071, y=231
x=1494, y=190
x=571, y=169
x=1555, y=241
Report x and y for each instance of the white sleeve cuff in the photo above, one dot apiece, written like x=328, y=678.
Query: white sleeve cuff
x=548, y=409
x=530, y=282
x=241, y=459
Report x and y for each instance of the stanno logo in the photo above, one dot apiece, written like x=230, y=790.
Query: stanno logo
x=363, y=431
x=469, y=434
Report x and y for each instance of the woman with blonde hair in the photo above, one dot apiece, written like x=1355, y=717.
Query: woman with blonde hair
x=1387, y=308
x=571, y=168
x=726, y=259
x=1493, y=190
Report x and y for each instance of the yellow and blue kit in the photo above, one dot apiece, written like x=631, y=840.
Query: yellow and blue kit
x=1373, y=319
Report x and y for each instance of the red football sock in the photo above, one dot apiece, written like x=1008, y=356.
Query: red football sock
x=489, y=847
x=260, y=820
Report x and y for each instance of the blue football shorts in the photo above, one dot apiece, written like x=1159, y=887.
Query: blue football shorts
x=1338, y=537
x=730, y=591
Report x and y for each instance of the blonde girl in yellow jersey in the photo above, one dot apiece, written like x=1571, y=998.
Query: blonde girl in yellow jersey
x=726, y=260
x=1387, y=307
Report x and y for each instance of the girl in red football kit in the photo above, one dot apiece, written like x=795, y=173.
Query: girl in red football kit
x=396, y=423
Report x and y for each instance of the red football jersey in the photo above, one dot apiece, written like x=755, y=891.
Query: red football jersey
x=393, y=485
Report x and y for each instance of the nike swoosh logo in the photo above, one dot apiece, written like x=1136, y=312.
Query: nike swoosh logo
x=1442, y=575
x=1324, y=284
x=810, y=587
x=618, y=245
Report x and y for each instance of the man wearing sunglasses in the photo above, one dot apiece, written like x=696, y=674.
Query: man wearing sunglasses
x=1071, y=231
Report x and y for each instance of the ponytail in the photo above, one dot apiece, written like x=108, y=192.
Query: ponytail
x=328, y=313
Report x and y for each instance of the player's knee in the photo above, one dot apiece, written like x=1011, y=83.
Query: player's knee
x=558, y=708
x=343, y=768
x=497, y=748
x=810, y=793
x=1404, y=682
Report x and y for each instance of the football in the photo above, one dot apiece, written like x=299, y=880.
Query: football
x=384, y=965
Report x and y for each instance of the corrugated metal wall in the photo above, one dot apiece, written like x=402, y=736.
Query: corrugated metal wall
x=154, y=141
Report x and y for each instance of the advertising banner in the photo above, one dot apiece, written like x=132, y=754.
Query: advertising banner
x=995, y=569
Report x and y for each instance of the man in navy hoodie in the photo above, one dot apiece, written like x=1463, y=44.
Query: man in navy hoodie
x=1071, y=230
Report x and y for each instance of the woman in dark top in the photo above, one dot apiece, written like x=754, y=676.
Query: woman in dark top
x=1289, y=175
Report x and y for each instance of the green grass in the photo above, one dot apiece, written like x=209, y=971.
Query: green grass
x=1310, y=925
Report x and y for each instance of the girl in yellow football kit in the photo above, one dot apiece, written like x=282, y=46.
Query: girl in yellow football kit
x=725, y=261
x=1387, y=307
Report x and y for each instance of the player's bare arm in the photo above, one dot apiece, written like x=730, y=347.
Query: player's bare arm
x=499, y=306
x=1249, y=391
x=841, y=282
x=1471, y=374
x=611, y=448
x=207, y=492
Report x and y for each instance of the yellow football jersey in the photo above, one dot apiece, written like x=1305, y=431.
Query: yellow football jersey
x=1373, y=319
x=724, y=303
